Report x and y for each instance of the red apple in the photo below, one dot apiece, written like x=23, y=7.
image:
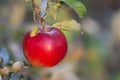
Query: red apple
x=45, y=49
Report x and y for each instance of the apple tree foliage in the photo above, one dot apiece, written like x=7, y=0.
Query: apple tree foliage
x=51, y=7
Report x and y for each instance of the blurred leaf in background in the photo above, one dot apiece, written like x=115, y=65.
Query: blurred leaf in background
x=4, y=56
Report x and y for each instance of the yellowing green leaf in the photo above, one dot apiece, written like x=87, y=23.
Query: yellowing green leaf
x=35, y=31
x=77, y=6
x=70, y=25
x=52, y=9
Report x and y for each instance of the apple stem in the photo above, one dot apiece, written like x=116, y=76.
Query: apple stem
x=37, y=13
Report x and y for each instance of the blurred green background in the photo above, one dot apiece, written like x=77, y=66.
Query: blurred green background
x=93, y=54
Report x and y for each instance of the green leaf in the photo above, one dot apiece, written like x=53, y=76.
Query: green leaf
x=77, y=6
x=70, y=25
x=25, y=63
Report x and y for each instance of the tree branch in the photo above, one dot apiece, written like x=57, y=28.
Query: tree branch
x=37, y=12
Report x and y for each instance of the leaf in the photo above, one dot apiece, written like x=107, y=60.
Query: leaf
x=77, y=6
x=52, y=9
x=43, y=7
x=10, y=74
x=34, y=31
x=25, y=63
x=70, y=25
x=9, y=64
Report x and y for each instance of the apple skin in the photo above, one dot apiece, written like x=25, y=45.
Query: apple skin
x=46, y=49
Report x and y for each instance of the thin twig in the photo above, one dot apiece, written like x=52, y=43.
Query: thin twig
x=37, y=12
